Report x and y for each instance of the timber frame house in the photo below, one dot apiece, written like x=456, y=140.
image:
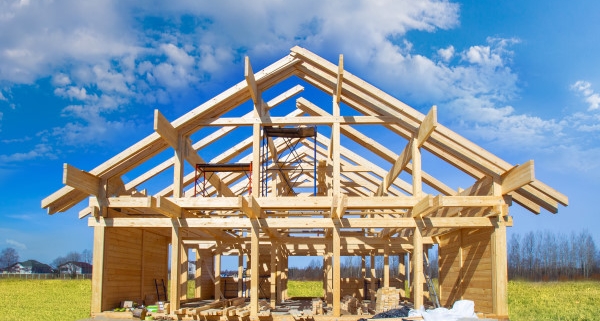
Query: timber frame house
x=324, y=198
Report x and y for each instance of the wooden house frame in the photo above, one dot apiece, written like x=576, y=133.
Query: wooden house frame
x=360, y=208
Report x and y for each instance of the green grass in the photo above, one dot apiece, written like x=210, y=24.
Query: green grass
x=578, y=300
x=305, y=289
x=59, y=300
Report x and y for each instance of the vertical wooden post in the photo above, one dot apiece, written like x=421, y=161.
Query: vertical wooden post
x=363, y=276
x=98, y=270
x=329, y=275
x=183, y=273
x=402, y=274
x=254, y=264
x=240, y=285
x=218, y=293
x=373, y=286
x=499, y=269
x=273, y=278
x=280, y=274
x=336, y=269
x=175, y=266
x=198, y=275
x=386, y=265
x=418, y=279
x=178, y=167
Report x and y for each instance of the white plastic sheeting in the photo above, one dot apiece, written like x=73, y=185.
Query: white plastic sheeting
x=461, y=310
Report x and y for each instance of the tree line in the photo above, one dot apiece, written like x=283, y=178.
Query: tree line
x=547, y=256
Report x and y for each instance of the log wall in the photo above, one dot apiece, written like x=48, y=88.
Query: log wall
x=465, y=268
x=133, y=259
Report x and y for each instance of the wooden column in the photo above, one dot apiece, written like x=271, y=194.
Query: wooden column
x=499, y=269
x=373, y=286
x=402, y=274
x=183, y=273
x=240, y=285
x=273, y=279
x=280, y=274
x=254, y=264
x=336, y=269
x=98, y=270
x=328, y=274
x=176, y=246
x=386, y=265
x=198, y=275
x=418, y=280
x=363, y=275
x=218, y=293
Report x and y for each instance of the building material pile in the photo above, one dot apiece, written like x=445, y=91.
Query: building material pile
x=317, y=306
x=386, y=299
x=351, y=304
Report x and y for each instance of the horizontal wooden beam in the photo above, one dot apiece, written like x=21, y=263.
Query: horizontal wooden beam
x=81, y=180
x=517, y=177
x=299, y=120
x=286, y=223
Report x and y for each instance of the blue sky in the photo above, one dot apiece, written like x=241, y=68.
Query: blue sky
x=79, y=81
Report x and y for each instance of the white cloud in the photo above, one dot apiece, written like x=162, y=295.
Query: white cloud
x=585, y=89
x=446, y=53
x=16, y=244
x=40, y=151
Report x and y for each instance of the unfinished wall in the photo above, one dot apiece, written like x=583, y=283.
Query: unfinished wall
x=133, y=259
x=465, y=268
x=205, y=286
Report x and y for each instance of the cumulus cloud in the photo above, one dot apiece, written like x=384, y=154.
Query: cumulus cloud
x=40, y=151
x=584, y=88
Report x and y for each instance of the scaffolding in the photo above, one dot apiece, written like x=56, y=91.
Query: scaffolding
x=287, y=163
x=201, y=179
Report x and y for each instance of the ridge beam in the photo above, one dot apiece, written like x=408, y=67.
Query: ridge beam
x=81, y=180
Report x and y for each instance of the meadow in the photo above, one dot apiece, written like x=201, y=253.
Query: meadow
x=70, y=299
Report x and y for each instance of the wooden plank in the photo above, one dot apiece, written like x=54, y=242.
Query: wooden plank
x=167, y=207
x=280, y=223
x=81, y=180
x=251, y=81
x=98, y=271
x=340, y=77
x=427, y=126
x=517, y=177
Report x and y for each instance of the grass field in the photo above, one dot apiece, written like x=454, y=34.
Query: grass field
x=58, y=300
x=70, y=299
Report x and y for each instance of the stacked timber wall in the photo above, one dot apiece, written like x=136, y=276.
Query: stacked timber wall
x=465, y=268
x=133, y=259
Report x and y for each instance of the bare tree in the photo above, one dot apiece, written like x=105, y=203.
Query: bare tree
x=8, y=257
x=86, y=256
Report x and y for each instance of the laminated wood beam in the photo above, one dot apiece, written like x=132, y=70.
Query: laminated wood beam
x=287, y=223
x=167, y=207
x=517, y=177
x=251, y=81
x=81, y=180
x=340, y=78
x=339, y=208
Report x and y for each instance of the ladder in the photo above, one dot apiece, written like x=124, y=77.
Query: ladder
x=430, y=286
x=160, y=286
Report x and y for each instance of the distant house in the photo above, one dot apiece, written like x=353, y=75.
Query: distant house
x=29, y=267
x=73, y=267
